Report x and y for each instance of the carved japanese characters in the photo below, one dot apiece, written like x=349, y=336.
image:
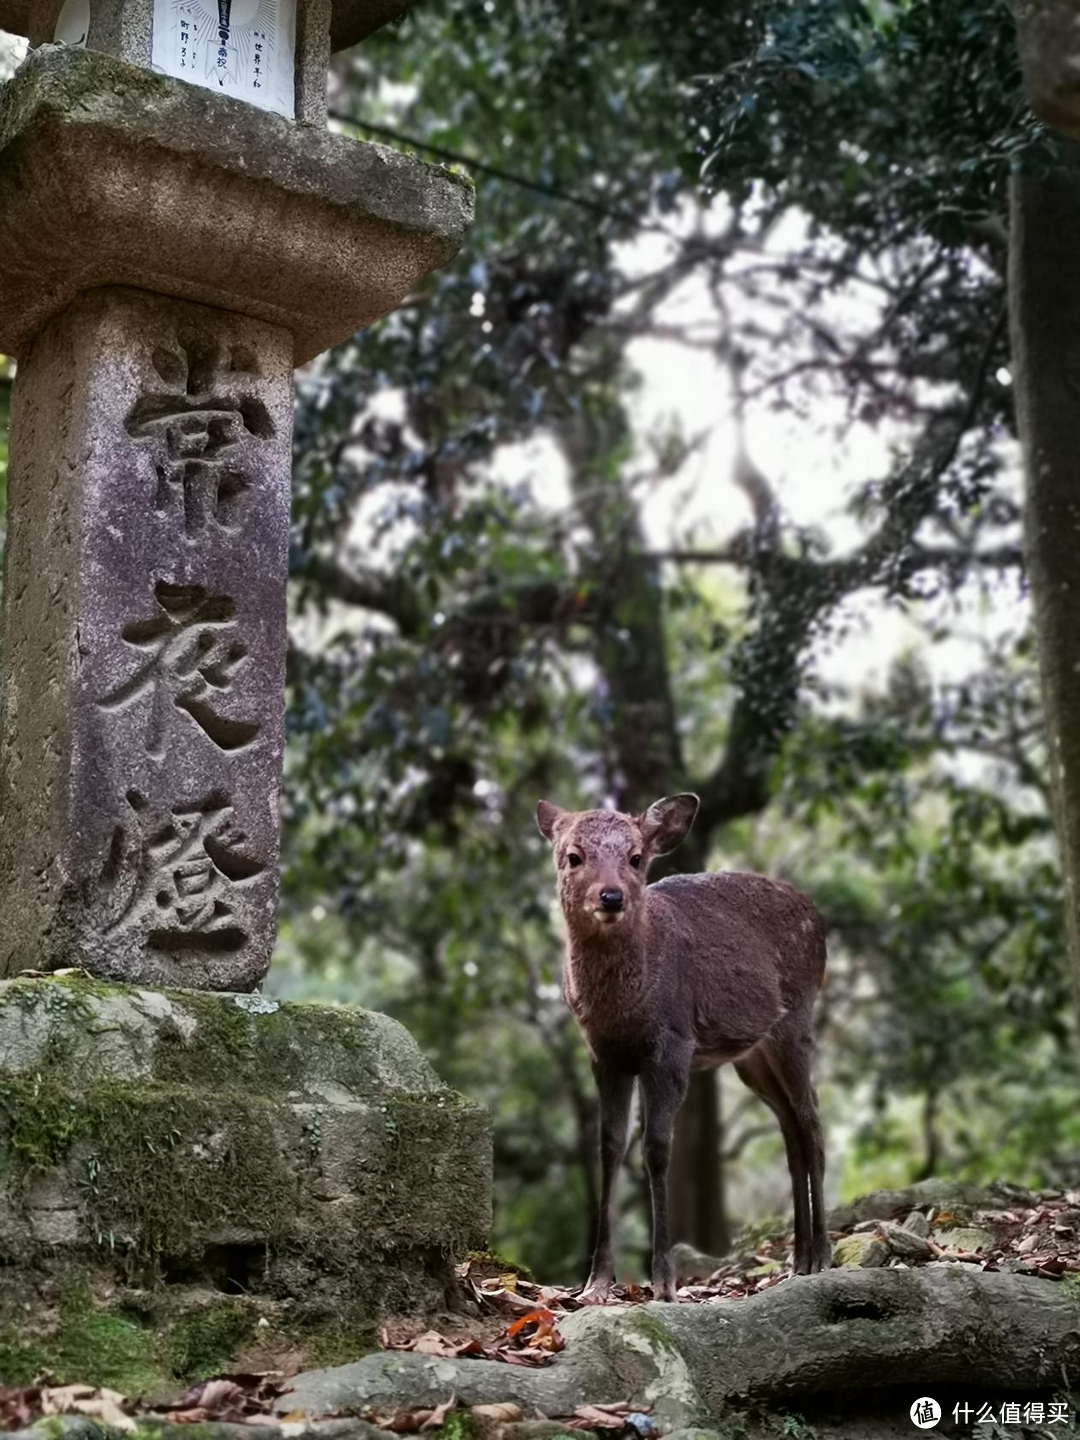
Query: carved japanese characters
x=154, y=646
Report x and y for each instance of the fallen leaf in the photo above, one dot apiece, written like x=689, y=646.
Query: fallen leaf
x=402, y=1422
x=95, y=1404
x=522, y=1357
x=439, y=1414
x=533, y=1317
x=505, y=1414
x=599, y=1417
x=19, y=1406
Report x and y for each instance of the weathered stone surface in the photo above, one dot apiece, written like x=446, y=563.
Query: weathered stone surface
x=866, y=1250
x=917, y=1224
x=186, y=193
x=833, y=1333
x=396, y=1379
x=904, y=1242
x=952, y=1195
x=144, y=643
x=693, y=1264
x=298, y=1154
x=965, y=1237
x=351, y=20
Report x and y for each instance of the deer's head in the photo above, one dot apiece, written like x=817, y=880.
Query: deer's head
x=602, y=857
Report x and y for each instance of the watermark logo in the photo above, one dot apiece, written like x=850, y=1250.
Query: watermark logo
x=925, y=1413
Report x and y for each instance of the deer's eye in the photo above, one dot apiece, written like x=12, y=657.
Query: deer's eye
x=573, y=860
x=635, y=861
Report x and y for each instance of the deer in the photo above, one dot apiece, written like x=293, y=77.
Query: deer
x=691, y=972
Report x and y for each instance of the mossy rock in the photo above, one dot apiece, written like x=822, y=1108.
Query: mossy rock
x=304, y=1156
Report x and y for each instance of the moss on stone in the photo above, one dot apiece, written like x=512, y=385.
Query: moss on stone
x=307, y=1154
x=204, y=1342
x=86, y=1341
x=458, y=1425
x=654, y=1330
x=162, y=1349
x=485, y=1263
x=148, y=1180
x=38, y=1121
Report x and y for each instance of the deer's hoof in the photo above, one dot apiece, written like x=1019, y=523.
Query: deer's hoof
x=821, y=1257
x=596, y=1292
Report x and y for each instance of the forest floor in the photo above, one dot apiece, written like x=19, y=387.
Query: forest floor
x=506, y=1315
x=502, y=1314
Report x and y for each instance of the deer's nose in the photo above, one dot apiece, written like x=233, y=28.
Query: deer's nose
x=611, y=900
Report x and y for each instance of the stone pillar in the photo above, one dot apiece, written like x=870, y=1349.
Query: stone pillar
x=169, y=253
x=144, y=609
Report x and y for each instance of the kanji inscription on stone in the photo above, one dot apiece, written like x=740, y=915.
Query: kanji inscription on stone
x=144, y=631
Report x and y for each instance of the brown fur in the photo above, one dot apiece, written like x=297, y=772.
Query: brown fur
x=692, y=972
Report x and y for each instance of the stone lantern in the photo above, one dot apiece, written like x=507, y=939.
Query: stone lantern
x=179, y=230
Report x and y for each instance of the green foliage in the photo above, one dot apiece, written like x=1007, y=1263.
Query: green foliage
x=481, y=615
x=204, y=1343
x=828, y=180
x=810, y=114
x=115, y=1350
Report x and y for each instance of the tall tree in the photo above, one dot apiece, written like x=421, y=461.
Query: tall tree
x=1045, y=316
x=469, y=644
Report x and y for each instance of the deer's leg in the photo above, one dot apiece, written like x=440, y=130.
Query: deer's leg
x=616, y=1090
x=791, y=1057
x=663, y=1088
x=756, y=1071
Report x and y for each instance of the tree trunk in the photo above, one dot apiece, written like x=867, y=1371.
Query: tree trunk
x=1045, y=301
x=631, y=654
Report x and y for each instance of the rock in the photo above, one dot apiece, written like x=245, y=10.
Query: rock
x=857, y=1329
x=693, y=1264
x=905, y=1243
x=966, y=1237
x=813, y=1335
x=395, y=1379
x=861, y=1250
x=951, y=1195
x=334, y=231
x=297, y=1164
x=535, y=1430
x=767, y=1267
x=917, y=1224
x=76, y=1427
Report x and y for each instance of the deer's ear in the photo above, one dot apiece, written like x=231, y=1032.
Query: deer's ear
x=547, y=817
x=666, y=822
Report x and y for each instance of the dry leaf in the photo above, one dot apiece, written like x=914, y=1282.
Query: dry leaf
x=533, y=1317
x=502, y=1414
x=95, y=1404
x=598, y=1417
x=439, y=1414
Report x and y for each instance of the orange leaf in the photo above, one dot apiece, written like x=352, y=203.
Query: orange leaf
x=534, y=1317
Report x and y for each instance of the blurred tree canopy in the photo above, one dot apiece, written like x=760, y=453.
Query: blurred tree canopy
x=810, y=199
x=511, y=580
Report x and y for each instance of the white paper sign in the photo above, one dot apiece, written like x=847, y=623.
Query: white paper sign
x=243, y=48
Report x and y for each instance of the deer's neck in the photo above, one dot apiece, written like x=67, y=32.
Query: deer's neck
x=607, y=975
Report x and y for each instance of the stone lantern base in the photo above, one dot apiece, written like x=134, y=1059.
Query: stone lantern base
x=189, y=1180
